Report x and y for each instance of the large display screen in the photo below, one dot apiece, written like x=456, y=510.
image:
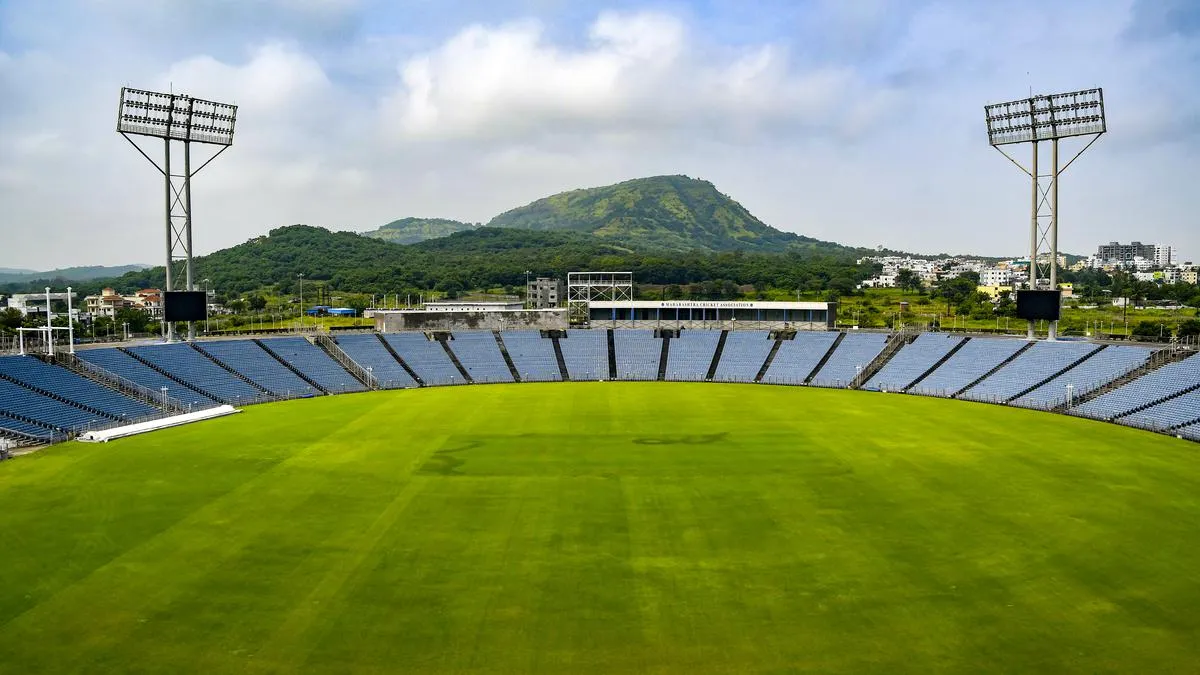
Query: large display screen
x=184, y=306
x=1039, y=305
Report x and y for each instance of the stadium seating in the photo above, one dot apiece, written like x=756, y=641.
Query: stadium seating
x=1183, y=409
x=532, y=354
x=478, y=352
x=912, y=361
x=18, y=401
x=426, y=357
x=74, y=388
x=119, y=363
x=1192, y=431
x=797, y=357
x=1034, y=365
x=586, y=354
x=246, y=357
x=1166, y=381
x=638, y=353
x=316, y=365
x=744, y=354
x=368, y=352
x=968, y=364
x=190, y=366
x=855, y=352
x=691, y=355
x=22, y=429
x=1106, y=366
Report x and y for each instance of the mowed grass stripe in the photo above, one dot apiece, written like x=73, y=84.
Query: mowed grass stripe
x=605, y=527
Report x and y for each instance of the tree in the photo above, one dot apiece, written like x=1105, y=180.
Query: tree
x=1149, y=329
x=257, y=302
x=1189, y=328
x=908, y=280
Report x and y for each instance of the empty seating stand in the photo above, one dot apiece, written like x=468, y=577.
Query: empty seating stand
x=744, y=354
x=1034, y=365
x=638, y=353
x=1097, y=371
x=973, y=361
x=854, y=354
x=691, y=355
x=1191, y=431
x=1181, y=410
x=190, y=366
x=586, y=354
x=368, y=352
x=912, y=361
x=73, y=388
x=797, y=357
x=252, y=361
x=478, y=352
x=17, y=402
x=532, y=354
x=119, y=363
x=1166, y=381
x=316, y=365
x=24, y=430
x=426, y=357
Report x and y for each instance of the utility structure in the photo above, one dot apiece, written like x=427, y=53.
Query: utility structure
x=1038, y=118
x=179, y=120
x=583, y=288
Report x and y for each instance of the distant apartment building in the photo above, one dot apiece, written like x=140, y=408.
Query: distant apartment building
x=1125, y=253
x=995, y=277
x=545, y=293
x=109, y=302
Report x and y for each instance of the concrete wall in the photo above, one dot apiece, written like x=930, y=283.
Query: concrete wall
x=535, y=319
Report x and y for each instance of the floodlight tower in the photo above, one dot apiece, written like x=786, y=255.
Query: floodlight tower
x=178, y=119
x=1033, y=120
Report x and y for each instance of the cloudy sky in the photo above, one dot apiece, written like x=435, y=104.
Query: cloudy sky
x=858, y=121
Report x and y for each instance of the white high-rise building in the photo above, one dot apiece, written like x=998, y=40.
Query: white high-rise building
x=1162, y=255
x=995, y=277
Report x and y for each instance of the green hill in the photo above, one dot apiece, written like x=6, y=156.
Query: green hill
x=663, y=213
x=67, y=273
x=414, y=230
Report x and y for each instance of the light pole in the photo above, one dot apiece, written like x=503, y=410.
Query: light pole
x=206, y=302
x=526, y=289
x=301, y=275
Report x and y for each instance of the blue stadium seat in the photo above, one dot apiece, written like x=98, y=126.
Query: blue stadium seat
x=119, y=363
x=316, y=365
x=586, y=354
x=855, y=353
x=532, y=354
x=638, y=353
x=24, y=429
x=1166, y=381
x=1181, y=410
x=368, y=352
x=190, y=366
x=968, y=364
x=1097, y=371
x=74, y=388
x=797, y=357
x=426, y=357
x=254, y=363
x=912, y=361
x=17, y=401
x=744, y=354
x=691, y=354
x=1037, y=363
x=479, y=353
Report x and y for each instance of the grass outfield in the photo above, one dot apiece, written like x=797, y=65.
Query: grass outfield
x=607, y=528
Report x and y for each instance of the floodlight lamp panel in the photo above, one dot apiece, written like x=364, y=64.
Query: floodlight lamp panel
x=175, y=117
x=1046, y=117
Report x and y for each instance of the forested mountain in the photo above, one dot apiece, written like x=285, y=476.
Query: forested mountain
x=66, y=274
x=484, y=258
x=414, y=230
x=660, y=213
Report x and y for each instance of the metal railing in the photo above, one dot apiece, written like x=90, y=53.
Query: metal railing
x=363, y=374
x=121, y=384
